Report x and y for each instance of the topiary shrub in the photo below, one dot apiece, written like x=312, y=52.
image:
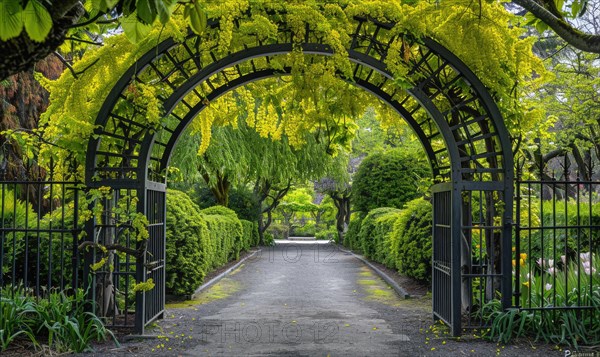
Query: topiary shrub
x=219, y=210
x=190, y=249
x=411, y=240
x=370, y=237
x=388, y=179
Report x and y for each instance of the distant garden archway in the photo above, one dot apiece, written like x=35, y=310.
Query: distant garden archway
x=447, y=106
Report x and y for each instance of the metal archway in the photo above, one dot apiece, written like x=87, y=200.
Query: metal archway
x=450, y=110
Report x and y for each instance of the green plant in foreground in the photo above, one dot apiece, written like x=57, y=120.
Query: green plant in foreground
x=16, y=315
x=61, y=318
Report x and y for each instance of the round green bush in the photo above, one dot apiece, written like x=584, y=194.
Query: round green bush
x=388, y=179
x=411, y=240
x=219, y=210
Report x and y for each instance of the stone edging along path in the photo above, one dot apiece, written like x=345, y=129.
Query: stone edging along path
x=397, y=288
x=214, y=280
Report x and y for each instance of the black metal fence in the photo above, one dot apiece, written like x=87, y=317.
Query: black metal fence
x=39, y=232
x=555, y=247
x=556, y=258
x=50, y=239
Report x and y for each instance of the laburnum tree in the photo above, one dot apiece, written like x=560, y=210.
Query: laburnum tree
x=491, y=45
x=32, y=29
x=249, y=144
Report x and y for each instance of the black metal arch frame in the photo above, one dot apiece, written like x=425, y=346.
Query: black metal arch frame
x=449, y=109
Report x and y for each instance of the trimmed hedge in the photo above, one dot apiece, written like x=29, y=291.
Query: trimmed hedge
x=411, y=240
x=190, y=248
x=351, y=240
x=199, y=241
x=371, y=235
x=399, y=239
x=250, y=234
x=225, y=230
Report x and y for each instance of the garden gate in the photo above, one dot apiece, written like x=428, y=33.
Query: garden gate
x=458, y=125
x=447, y=106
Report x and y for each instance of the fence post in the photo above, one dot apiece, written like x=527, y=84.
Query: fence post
x=75, y=257
x=517, y=232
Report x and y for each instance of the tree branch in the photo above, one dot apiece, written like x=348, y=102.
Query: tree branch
x=574, y=37
x=66, y=64
x=117, y=247
x=88, y=22
x=84, y=41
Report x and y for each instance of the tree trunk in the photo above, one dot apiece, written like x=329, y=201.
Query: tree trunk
x=105, y=290
x=21, y=53
x=220, y=188
x=264, y=190
x=342, y=216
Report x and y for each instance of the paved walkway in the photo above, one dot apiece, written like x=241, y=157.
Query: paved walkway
x=306, y=299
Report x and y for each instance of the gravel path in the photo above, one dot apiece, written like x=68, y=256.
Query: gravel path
x=307, y=299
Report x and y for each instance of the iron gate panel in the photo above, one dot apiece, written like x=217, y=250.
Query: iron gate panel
x=152, y=266
x=446, y=258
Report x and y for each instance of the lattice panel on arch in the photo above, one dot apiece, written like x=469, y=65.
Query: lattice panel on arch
x=436, y=78
x=186, y=76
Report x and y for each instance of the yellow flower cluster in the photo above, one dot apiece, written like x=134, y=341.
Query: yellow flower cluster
x=483, y=34
x=522, y=260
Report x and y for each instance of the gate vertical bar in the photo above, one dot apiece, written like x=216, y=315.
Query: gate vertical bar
x=76, y=230
x=455, y=265
x=140, y=276
x=507, y=241
x=517, y=232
